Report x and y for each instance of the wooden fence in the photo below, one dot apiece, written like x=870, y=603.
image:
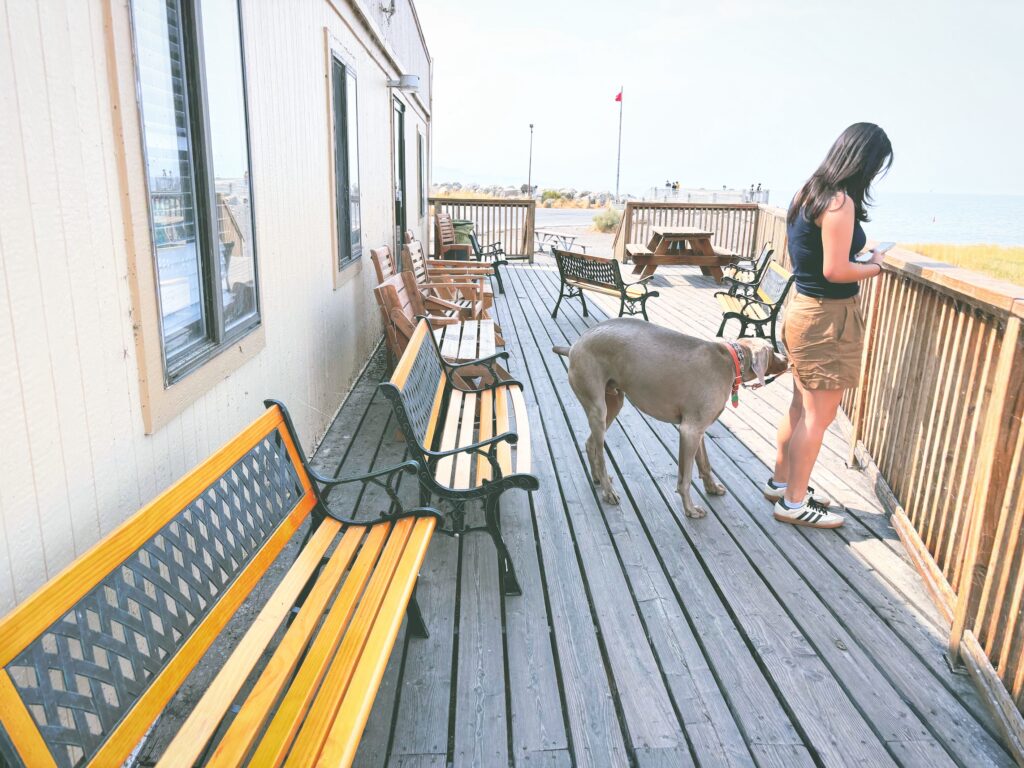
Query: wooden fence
x=509, y=221
x=734, y=225
x=936, y=420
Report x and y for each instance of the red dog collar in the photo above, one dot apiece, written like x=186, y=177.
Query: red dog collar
x=738, y=381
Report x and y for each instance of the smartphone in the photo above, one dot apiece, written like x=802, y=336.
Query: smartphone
x=864, y=258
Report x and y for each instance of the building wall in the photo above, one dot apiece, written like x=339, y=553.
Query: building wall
x=76, y=459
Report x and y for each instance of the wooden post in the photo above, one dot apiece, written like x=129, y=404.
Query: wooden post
x=983, y=526
x=531, y=214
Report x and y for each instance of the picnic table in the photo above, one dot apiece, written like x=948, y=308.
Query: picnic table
x=564, y=241
x=680, y=245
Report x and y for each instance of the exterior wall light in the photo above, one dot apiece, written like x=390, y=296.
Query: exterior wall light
x=407, y=83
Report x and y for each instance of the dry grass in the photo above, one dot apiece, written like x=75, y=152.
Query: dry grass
x=1005, y=262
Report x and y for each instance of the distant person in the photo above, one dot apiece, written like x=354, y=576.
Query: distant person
x=823, y=331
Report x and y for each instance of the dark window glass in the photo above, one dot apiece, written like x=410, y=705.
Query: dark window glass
x=346, y=162
x=421, y=169
x=192, y=98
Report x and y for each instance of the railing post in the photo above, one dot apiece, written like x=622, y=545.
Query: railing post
x=982, y=530
x=867, y=355
x=531, y=214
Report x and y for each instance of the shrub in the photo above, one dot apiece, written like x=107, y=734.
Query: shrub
x=607, y=220
x=549, y=194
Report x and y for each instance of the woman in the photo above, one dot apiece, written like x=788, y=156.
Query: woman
x=823, y=330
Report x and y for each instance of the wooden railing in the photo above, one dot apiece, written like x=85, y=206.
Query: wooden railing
x=734, y=224
x=509, y=221
x=936, y=420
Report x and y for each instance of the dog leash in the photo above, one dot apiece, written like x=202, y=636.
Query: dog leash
x=738, y=381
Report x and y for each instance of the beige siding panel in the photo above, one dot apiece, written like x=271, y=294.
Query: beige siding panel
x=76, y=457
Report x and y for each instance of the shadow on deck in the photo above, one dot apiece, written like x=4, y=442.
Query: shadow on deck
x=646, y=638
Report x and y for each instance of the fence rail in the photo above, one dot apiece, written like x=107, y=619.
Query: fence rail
x=509, y=221
x=734, y=224
x=936, y=419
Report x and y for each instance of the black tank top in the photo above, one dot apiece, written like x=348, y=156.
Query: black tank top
x=807, y=257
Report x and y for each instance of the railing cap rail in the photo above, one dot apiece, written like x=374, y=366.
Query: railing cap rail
x=482, y=200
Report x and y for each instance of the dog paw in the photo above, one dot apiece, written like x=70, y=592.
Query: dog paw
x=695, y=512
x=715, y=489
x=610, y=496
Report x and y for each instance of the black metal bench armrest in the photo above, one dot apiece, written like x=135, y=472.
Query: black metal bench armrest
x=328, y=482
x=738, y=283
x=382, y=478
x=481, y=361
x=509, y=437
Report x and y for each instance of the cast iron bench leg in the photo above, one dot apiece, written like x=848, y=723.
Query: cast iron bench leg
x=507, y=572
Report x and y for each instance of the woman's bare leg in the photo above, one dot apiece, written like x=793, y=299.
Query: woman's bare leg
x=789, y=421
x=819, y=410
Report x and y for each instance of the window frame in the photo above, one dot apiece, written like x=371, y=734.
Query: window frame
x=218, y=337
x=341, y=117
x=421, y=170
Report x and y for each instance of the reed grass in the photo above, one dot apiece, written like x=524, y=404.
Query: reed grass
x=1005, y=262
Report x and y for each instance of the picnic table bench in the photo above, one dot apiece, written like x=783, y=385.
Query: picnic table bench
x=93, y=658
x=580, y=271
x=680, y=246
x=470, y=443
x=550, y=238
x=760, y=310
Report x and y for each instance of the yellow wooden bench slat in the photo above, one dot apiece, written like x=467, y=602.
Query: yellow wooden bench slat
x=502, y=425
x=288, y=718
x=463, y=461
x=335, y=684
x=245, y=726
x=343, y=738
x=449, y=438
x=188, y=743
x=483, y=466
x=522, y=429
x=21, y=728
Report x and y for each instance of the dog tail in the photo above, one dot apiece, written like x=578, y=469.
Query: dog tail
x=563, y=351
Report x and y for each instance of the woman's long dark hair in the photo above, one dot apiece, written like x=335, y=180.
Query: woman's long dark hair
x=861, y=153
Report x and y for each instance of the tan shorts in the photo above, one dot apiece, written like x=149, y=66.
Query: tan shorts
x=824, y=338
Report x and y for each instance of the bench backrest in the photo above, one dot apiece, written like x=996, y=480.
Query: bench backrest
x=383, y=263
x=591, y=270
x=774, y=285
x=417, y=389
x=414, y=260
x=92, y=658
x=761, y=262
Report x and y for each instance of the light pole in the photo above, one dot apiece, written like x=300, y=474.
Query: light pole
x=529, y=172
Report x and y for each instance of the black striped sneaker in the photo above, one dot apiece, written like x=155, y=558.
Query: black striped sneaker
x=810, y=513
x=773, y=493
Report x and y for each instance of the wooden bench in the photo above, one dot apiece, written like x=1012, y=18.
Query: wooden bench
x=430, y=271
x=444, y=237
x=469, y=442
x=579, y=272
x=744, y=275
x=760, y=310
x=401, y=305
x=94, y=657
x=637, y=249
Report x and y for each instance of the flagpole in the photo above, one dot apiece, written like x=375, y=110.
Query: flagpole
x=618, y=162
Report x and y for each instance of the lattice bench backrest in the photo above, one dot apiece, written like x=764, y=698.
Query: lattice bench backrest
x=91, y=659
x=594, y=270
x=417, y=389
x=774, y=284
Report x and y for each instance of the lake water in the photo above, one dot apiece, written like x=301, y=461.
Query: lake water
x=902, y=217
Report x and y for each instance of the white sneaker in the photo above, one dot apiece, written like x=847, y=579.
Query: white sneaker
x=773, y=493
x=810, y=513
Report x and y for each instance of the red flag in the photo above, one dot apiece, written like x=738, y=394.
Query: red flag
x=618, y=96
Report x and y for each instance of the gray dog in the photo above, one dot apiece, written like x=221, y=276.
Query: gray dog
x=669, y=376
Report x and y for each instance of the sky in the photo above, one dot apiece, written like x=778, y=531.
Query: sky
x=725, y=92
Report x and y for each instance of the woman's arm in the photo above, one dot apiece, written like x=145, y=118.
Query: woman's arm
x=836, y=239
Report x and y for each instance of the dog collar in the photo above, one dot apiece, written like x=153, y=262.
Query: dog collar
x=734, y=350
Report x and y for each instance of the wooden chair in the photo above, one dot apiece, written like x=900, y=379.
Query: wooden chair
x=580, y=271
x=744, y=275
x=493, y=253
x=439, y=273
x=92, y=659
x=760, y=310
x=469, y=442
x=462, y=298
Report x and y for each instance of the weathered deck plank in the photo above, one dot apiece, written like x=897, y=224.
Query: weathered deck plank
x=646, y=638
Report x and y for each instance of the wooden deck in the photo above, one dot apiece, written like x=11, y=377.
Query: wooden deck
x=645, y=638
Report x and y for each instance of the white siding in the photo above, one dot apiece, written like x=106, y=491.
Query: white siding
x=75, y=457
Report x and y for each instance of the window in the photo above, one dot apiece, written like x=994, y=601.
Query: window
x=346, y=162
x=192, y=97
x=421, y=170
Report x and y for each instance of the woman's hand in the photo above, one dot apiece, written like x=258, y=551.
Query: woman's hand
x=876, y=258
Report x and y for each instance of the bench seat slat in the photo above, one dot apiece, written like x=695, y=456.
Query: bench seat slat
x=502, y=425
x=464, y=461
x=321, y=714
x=449, y=438
x=296, y=702
x=188, y=743
x=522, y=429
x=246, y=725
x=343, y=739
x=483, y=465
